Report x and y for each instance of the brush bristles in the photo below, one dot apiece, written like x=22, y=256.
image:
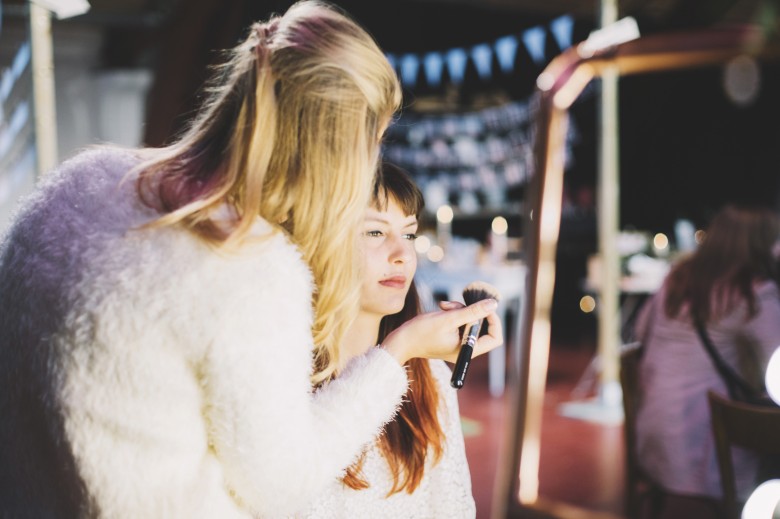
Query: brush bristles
x=479, y=290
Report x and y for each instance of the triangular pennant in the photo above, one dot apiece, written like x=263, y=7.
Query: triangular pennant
x=433, y=63
x=456, y=64
x=561, y=28
x=506, y=48
x=534, y=39
x=482, y=55
x=410, y=64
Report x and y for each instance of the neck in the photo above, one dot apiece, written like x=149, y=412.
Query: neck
x=361, y=336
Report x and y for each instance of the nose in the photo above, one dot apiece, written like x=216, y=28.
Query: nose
x=401, y=250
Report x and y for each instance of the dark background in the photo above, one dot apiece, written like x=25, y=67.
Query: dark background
x=685, y=148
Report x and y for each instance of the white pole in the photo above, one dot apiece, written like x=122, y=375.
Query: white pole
x=608, y=225
x=43, y=88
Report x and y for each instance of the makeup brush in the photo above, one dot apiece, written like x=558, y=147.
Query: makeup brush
x=474, y=291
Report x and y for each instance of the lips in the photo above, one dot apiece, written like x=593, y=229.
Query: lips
x=394, y=282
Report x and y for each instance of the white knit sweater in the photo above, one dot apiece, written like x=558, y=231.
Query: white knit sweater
x=144, y=374
x=444, y=492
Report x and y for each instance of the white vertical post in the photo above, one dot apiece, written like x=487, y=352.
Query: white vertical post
x=608, y=225
x=43, y=88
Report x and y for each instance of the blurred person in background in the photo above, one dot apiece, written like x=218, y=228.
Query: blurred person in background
x=729, y=285
x=172, y=320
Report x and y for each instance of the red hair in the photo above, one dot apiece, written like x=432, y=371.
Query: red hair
x=415, y=435
x=736, y=252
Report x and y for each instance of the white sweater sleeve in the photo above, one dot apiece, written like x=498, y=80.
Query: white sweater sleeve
x=280, y=444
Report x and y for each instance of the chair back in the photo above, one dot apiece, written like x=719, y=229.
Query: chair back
x=638, y=484
x=755, y=428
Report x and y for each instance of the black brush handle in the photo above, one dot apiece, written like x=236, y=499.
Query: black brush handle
x=464, y=356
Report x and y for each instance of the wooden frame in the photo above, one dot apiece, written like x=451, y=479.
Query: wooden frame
x=559, y=85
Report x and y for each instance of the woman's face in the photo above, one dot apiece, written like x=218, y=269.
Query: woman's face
x=389, y=259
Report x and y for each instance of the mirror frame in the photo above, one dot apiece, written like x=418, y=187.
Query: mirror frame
x=558, y=86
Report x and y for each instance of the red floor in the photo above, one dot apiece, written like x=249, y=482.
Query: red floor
x=581, y=462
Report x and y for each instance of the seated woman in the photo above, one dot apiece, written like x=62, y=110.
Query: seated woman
x=418, y=467
x=728, y=284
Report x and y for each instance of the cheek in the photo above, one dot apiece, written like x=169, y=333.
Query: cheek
x=372, y=266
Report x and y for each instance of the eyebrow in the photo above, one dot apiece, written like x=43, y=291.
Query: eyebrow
x=387, y=222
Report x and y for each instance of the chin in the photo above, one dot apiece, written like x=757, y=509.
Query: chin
x=393, y=309
x=390, y=310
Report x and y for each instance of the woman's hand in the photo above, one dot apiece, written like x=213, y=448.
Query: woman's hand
x=436, y=335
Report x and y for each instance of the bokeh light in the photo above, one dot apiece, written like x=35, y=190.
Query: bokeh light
x=422, y=244
x=742, y=80
x=763, y=502
x=435, y=254
x=445, y=214
x=773, y=376
x=660, y=241
x=499, y=225
x=587, y=304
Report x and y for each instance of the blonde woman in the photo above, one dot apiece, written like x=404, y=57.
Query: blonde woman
x=417, y=468
x=165, y=314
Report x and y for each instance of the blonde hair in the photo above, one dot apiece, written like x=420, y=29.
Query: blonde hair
x=290, y=133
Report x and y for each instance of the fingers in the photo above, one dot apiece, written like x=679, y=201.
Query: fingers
x=471, y=313
x=450, y=305
x=494, y=337
x=436, y=335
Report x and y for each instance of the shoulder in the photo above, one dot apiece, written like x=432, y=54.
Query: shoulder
x=84, y=192
x=767, y=290
x=767, y=296
x=269, y=252
x=92, y=167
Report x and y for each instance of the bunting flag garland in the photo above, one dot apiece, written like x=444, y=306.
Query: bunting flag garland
x=504, y=49
x=482, y=155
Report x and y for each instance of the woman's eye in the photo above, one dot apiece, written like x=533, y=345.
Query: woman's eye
x=375, y=234
x=410, y=236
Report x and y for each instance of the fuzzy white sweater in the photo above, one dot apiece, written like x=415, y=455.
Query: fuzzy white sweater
x=445, y=489
x=143, y=374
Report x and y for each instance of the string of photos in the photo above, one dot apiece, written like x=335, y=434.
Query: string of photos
x=502, y=50
x=469, y=160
